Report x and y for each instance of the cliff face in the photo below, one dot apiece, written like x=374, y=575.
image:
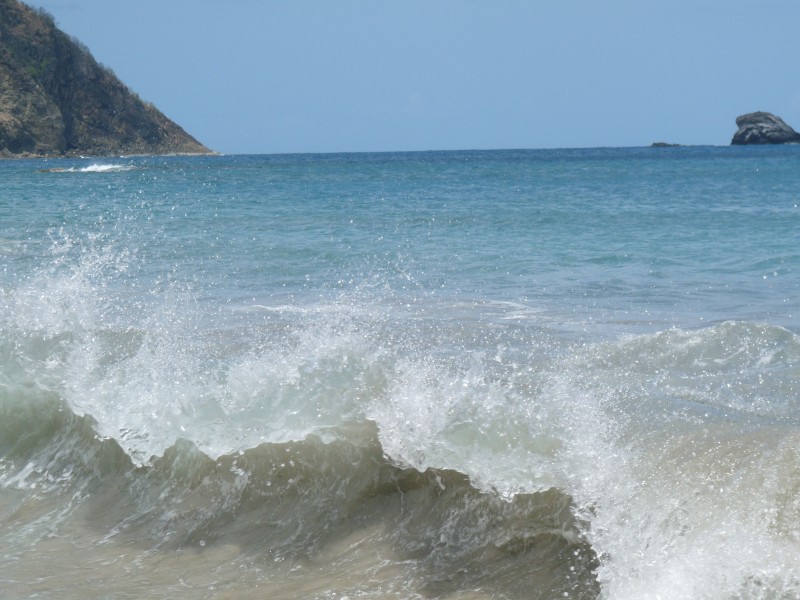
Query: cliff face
x=56, y=100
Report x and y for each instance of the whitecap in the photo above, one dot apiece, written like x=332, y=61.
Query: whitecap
x=93, y=168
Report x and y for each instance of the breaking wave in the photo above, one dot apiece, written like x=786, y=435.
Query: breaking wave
x=353, y=441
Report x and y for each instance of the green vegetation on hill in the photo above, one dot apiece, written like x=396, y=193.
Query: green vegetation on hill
x=56, y=100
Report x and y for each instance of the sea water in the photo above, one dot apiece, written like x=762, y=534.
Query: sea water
x=462, y=375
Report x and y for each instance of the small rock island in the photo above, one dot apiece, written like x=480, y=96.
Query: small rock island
x=56, y=100
x=763, y=128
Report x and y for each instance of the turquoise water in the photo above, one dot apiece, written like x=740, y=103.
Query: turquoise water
x=484, y=374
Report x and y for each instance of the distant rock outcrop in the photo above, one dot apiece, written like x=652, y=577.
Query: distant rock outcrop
x=56, y=100
x=763, y=128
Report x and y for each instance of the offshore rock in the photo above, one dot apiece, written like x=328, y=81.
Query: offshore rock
x=56, y=100
x=763, y=128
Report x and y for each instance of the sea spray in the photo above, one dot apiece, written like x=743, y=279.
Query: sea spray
x=678, y=490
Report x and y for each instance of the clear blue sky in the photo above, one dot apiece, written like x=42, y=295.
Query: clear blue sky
x=268, y=76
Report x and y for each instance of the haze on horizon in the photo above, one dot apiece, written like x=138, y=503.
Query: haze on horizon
x=250, y=76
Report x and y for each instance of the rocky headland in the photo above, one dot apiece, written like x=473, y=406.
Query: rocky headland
x=56, y=100
x=763, y=128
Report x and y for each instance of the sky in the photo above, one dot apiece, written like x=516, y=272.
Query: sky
x=285, y=76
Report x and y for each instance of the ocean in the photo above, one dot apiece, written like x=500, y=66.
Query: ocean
x=455, y=375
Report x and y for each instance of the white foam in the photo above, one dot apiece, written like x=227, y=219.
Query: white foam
x=105, y=168
x=94, y=168
x=685, y=495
